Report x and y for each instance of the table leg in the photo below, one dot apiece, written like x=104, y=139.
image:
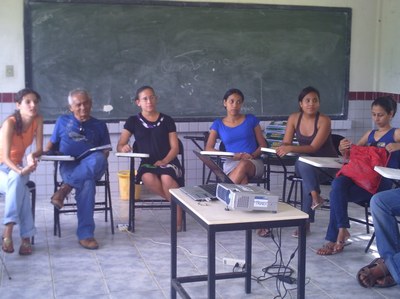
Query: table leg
x=211, y=263
x=174, y=244
x=248, y=261
x=132, y=179
x=301, y=266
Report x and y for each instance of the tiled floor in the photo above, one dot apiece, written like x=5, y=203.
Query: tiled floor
x=138, y=265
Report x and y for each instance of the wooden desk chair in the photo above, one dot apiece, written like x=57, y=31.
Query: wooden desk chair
x=161, y=203
x=103, y=204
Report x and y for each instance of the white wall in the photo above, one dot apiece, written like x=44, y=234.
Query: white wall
x=388, y=75
x=12, y=45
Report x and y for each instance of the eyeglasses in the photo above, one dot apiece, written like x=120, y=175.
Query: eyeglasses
x=149, y=98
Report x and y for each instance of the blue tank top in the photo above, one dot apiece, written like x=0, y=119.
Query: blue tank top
x=394, y=156
x=382, y=142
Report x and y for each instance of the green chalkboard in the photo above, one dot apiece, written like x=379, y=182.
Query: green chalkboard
x=191, y=53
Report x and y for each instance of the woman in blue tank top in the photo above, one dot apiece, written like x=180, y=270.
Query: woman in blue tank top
x=344, y=190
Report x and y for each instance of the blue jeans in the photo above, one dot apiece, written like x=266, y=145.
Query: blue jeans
x=384, y=207
x=343, y=191
x=18, y=208
x=82, y=176
x=312, y=177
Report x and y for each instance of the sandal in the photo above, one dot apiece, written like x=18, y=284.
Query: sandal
x=338, y=247
x=25, y=248
x=264, y=232
x=387, y=282
x=326, y=249
x=367, y=279
x=318, y=204
x=7, y=245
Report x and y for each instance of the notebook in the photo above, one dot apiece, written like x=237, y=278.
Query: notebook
x=207, y=192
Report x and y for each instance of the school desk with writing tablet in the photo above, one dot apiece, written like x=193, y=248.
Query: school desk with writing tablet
x=271, y=150
x=190, y=52
x=217, y=153
x=387, y=172
x=57, y=158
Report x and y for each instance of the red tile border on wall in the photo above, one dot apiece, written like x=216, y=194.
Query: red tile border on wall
x=8, y=97
x=371, y=95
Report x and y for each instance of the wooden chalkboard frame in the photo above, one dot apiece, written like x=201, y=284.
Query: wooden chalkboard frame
x=336, y=96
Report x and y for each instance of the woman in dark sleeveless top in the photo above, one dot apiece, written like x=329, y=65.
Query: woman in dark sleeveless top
x=313, y=132
x=345, y=190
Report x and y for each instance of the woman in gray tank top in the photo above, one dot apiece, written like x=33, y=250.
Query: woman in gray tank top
x=313, y=132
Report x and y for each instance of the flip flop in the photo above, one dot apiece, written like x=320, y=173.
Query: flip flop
x=318, y=204
x=7, y=245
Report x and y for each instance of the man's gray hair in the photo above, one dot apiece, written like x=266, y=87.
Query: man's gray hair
x=78, y=91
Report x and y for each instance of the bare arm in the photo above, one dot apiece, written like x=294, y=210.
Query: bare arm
x=8, y=131
x=32, y=158
x=260, y=141
x=39, y=138
x=173, y=152
x=345, y=143
x=287, y=141
x=49, y=146
x=123, y=142
x=212, y=139
x=364, y=139
x=392, y=147
x=290, y=129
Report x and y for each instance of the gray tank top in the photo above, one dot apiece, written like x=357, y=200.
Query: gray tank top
x=326, y=150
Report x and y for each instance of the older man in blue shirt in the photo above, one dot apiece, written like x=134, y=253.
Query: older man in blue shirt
x=74, y=134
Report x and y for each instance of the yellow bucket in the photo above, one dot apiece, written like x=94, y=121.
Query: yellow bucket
x=124, y=182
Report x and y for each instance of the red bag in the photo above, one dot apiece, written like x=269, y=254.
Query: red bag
x=361, y=165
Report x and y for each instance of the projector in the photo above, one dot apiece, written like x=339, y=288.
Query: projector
x=247, y=197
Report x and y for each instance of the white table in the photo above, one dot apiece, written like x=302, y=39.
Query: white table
x=132, y=178
x=214, y=218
